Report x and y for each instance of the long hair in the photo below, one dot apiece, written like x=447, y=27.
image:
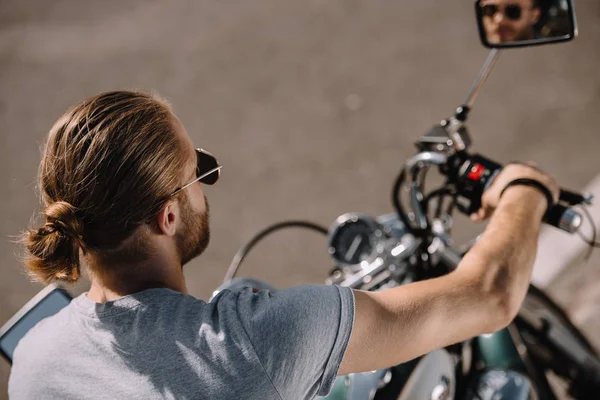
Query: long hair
x=108, y=165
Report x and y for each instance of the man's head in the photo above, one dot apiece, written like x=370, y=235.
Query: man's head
x=510, y=20
x=107, y=178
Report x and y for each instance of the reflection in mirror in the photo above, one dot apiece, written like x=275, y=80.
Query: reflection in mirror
x=506, y=23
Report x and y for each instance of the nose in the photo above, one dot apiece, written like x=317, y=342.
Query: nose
x=499, y=17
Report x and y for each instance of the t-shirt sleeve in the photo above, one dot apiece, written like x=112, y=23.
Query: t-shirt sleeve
x=299, y=335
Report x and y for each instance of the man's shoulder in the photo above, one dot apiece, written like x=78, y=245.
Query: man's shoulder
x=48, y=325
x=44, y=333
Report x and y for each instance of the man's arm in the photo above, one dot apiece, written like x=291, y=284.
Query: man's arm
x=482, y=295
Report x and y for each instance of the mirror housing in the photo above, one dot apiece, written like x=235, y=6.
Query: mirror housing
x=519, y=23
x=47, y=302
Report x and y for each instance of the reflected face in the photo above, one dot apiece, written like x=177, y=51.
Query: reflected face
x=509, y=20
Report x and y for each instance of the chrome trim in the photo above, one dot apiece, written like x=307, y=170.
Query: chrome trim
x=415, y=199
x=414, y=165
x=570, y=221
x=408, y=246
x=374, y=268
x=453, y=130
x=426, y=157
x=482, y=77
x=401, y=252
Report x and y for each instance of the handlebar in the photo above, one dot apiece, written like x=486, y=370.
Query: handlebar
x=471, y=175
x=428, y=242
x=564, y=218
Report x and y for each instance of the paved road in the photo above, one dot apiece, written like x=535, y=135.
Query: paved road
x=311, y=106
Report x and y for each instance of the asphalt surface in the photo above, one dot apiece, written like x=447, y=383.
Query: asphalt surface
x=310, y=106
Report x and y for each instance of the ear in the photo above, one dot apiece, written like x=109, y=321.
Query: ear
x=535, y=17
x=166, y=219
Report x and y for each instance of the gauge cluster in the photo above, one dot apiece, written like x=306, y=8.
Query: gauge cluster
x=355, y=239
x=359, y=244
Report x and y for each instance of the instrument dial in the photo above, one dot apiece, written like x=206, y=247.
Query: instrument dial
x=355, y=238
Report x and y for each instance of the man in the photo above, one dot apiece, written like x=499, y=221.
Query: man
x=510, y=20
x=123, y=189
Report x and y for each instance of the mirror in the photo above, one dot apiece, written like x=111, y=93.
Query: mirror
x=46, y=303
x=516, y=23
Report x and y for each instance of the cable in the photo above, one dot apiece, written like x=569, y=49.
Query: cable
x=591, y=242
x=422, y=178
x=441, y=192
x=439, y=205
x=396, y=199
x=452, y=205
x=243, y=251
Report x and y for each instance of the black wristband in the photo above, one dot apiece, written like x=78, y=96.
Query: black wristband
x=534, y=184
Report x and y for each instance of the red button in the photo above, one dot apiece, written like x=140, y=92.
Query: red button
x=476, y=172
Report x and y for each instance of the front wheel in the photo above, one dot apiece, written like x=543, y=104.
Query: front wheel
x=558, y=347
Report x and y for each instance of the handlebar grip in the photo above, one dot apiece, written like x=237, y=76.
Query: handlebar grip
x=564, y=218
x=473, y=174
x=570, y=197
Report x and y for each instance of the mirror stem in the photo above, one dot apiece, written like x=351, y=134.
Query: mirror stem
x=483, y=75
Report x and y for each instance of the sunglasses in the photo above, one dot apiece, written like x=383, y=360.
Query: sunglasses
x=511, y=11
x=208, y=170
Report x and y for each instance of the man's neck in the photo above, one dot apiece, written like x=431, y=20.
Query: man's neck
x=109, y=286
x=99, y=293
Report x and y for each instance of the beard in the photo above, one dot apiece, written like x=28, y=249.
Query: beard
x=193, y=239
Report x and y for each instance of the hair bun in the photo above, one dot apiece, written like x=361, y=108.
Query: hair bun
x=53, y=249
x=62, y=217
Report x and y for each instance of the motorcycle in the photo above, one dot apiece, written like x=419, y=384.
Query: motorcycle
x=541, y=354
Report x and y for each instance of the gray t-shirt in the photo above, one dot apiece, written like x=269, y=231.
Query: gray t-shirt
x=159, y=343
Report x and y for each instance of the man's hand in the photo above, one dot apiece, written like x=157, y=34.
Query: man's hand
x=491, y=197
x=482, y=295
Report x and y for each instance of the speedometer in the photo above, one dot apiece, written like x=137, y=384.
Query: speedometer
x=355, y=238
